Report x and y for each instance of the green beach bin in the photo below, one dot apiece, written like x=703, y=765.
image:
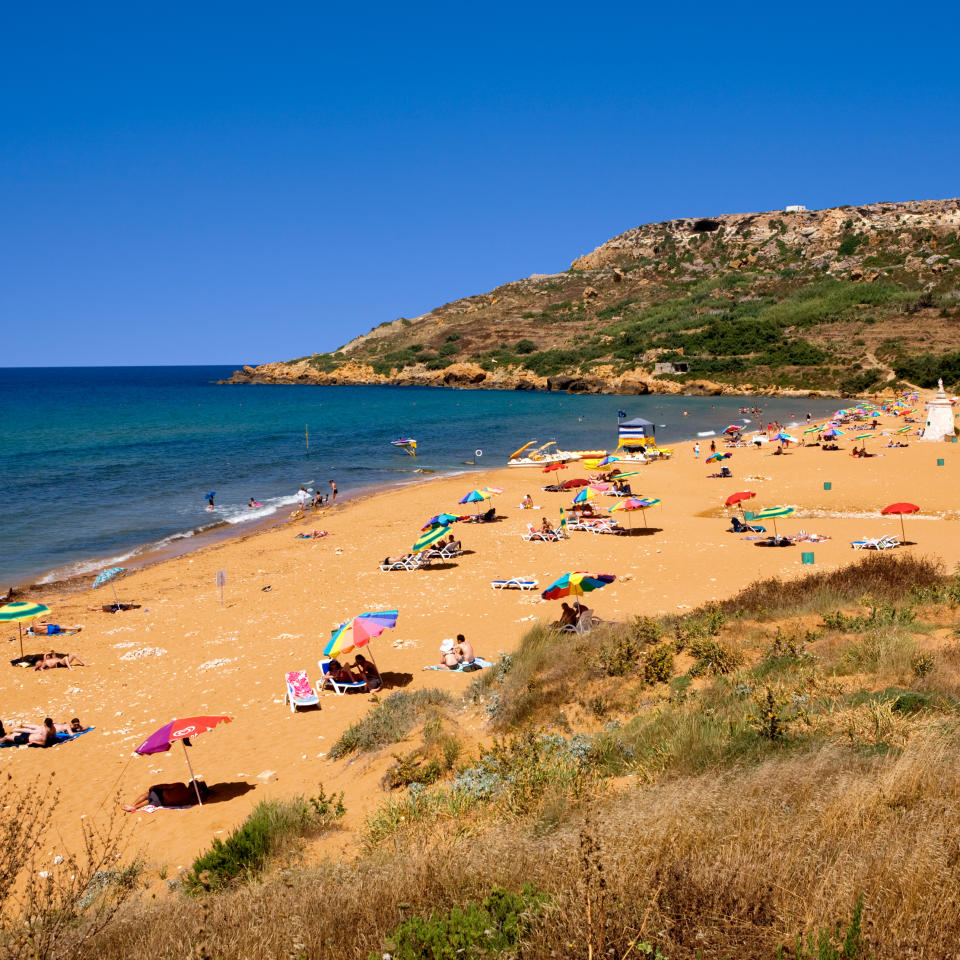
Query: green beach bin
x=827, y=485
x=806, y=556
x=748, y=515
x=939, y=461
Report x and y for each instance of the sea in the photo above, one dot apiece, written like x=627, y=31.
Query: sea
x=105, y=466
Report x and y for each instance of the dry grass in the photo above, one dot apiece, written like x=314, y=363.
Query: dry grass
x=731, y=865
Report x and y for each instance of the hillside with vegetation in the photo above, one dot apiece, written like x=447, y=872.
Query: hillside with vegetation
x=844, y=300
x=771, y=776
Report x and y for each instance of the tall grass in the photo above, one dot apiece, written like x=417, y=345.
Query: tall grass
x=389, y=721
x=728, y=865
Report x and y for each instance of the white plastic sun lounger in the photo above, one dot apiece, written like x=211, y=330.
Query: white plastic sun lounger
x=514, y=583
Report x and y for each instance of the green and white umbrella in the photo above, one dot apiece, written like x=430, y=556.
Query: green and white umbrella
x=22, y=612
x=773, y=513
x=428, y=537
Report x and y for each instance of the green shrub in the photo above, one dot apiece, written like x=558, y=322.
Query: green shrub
x=272, y=822
x=618, y=652
x=489, y=929
x=525, y=347
x=658, y=664
x=713, y=657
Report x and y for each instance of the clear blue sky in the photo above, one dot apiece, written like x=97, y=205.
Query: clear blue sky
x=206, y=183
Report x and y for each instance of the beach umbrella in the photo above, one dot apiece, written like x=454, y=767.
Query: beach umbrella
x=587, y=493
x=108, y=576
x=773, y=513
x=441, y=520
x=182, y=730
x=782, y=436
x=576, y=584
x=429, y=536
x=493, y=491
x=718, y=456
x=736, y=498
x=22, y=612
x=359, y=631
x=734, y=428
x=833, y=432
x=634, y=503
x=476, y=496
x=607, y=459
x=625, y=474
x=550, y=467
x=903, y=430
x=895, y=509
x=574, y=482
x=811, y=430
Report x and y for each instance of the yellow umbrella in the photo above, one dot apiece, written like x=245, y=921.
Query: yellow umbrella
x=22, y=612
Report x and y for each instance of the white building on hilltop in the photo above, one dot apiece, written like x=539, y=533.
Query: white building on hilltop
x=940, y=423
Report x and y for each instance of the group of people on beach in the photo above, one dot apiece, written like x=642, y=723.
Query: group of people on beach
x=39, y=734
x=360, y=671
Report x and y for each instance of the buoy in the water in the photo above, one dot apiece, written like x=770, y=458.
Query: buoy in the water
x=478, y=453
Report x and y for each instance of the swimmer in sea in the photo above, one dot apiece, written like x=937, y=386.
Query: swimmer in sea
x=254, y=503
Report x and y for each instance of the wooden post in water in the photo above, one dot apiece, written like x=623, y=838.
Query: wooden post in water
x=308, y=439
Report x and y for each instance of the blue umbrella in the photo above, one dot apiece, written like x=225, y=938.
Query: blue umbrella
x=108, y=575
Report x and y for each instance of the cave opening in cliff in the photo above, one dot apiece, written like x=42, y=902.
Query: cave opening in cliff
x=706, y=226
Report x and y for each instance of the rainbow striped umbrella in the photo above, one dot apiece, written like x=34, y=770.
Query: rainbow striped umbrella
x=576, y=584
x=22, y=612
x=773, y=513
x=359, y=631
x=587, y=493
x=635, y=503
x=476, y=496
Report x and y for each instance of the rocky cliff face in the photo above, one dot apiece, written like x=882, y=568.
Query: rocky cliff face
x=814, y=301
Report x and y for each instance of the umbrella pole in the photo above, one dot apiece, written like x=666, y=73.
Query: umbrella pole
x=20, y=631
x=117, y=599
x=193, y=779
x=903, y=533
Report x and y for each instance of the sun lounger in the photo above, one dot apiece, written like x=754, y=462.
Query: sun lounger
x=300, y=692
x=603, y=526
x=514, y=583
x=338, y=688
x=585, y=623
x=532, y=534
x=413, y=562
x=877, y=543
x=738, y=526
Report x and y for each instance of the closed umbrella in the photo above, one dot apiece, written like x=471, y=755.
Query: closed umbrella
x=900, y=509
x=22, y=612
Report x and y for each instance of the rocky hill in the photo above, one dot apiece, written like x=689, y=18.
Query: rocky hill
x=844, y=300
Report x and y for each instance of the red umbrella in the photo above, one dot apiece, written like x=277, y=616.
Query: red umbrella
x=574, y=482
x=735, y=498
x=901, y=509
x=181, y=730
x=559, y=465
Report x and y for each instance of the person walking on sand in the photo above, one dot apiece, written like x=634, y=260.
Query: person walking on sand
x=333, y=492
x=696, y=450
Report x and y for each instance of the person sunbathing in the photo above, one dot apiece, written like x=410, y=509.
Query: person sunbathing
x=449, y=659
x=568, y=617
x=73, y=727
x=50, y=629
x=340, y=673
x=464, y=649
x=51, y=661
x=368, y=672
x=527, y=502
x=545, y=528
x=170, y=795
x=33, y=735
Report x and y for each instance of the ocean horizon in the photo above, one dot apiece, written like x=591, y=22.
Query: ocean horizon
x=105, y=465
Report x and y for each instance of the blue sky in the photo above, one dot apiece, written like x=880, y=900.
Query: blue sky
x=227, y=183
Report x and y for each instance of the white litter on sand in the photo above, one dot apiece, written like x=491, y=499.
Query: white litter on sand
x=143, y=652
x=211, y=664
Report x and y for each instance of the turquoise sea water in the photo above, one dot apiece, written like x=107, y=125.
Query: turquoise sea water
x=98, y=464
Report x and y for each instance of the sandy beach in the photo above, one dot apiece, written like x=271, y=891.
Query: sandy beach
x=182, y=653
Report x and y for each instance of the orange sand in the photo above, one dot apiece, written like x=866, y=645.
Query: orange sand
x=232, y=659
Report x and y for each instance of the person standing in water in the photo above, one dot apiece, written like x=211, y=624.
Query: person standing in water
x=333, y=492
x=210, y=501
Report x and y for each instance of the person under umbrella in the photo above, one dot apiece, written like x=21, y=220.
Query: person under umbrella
x=22, y=612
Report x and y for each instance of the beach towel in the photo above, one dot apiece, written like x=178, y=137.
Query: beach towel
x=153, y=808
x=478, y=664
x=61, y=738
